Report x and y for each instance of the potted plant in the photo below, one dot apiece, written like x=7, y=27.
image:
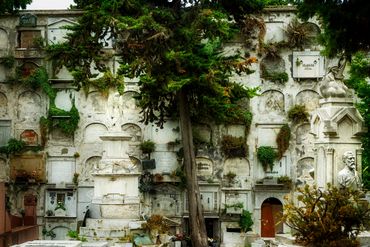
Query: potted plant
x=147, y=147
x=60, y=209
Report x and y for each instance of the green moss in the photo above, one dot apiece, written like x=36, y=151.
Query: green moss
x=298, y=114
x=274, y=76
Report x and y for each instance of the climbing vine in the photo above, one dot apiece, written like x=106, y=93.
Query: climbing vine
x=67, y=121
x=282, y=140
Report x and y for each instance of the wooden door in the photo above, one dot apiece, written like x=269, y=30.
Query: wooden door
x=267, y=221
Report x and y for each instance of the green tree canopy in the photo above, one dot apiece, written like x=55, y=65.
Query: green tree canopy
x=10, y=6
x=175, y=49
x=345, y=23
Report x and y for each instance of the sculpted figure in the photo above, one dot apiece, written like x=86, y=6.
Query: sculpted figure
x=348, y=176
x=331, y=87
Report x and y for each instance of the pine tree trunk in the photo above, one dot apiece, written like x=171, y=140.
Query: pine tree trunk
x=196, y=220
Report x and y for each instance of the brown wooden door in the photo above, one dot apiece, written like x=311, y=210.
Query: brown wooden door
x=267, y=221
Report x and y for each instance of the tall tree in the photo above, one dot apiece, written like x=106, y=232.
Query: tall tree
x=175, y=49
x=346, y=24
x=10, y=6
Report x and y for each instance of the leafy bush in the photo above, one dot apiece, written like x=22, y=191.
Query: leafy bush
x=332, y=217
x=13, y=146
x=246, y=221
x=266, y=155
x=287, y=181
x=298, y=114
x=282, y=140
x=233, y=146
x=147, y=147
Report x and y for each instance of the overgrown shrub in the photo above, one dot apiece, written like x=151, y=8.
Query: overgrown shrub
x=246, y=221
x=298, y=114
x=331, y=217
x=282, y=140
x=13, y=146
x=233, y=146
x=266, y=155
x=147, y=147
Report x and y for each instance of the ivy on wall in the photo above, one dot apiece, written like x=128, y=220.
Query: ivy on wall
x=66, y=121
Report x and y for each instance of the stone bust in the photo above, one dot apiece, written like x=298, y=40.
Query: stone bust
x=348, y=176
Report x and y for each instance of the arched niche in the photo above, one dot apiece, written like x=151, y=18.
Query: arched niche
x=313, y=32
x=204, y=166
x=30, y=137
x=29, y=107
x=271, y=65
x=136, y=137
x=202, y=131
x=97, y=101
x=304, y=139
x=309, y=98
x=3, y=105
x=306, y=171
x=93, y=132
x=272, y=101
x=239, y=166
x=28, y=68
x=129, y=102
x=88, y=168
x=133, y=130
x=4, y=41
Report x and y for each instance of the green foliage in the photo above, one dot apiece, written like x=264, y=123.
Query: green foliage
x=13, y=146
x=273, y=76
x=11, y=6
x=287, y=181
x=298, y=114
x=298, y=34
x=66, y=121
x=246, y=221
x=147, y=146
x=47, y=233
x=359, y=75
x=332, y=217
x=233, y=146
x=8, y=61
x=235, y=205
x=74, y=235
x=267, y=155
x=60, y=205
x=344, y=23
x=282, y=140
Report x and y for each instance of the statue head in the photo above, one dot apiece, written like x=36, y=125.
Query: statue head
x=349, y=160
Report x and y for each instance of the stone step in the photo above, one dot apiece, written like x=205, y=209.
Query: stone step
x=114, y=223
x=103, y=233
x=113, y=242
